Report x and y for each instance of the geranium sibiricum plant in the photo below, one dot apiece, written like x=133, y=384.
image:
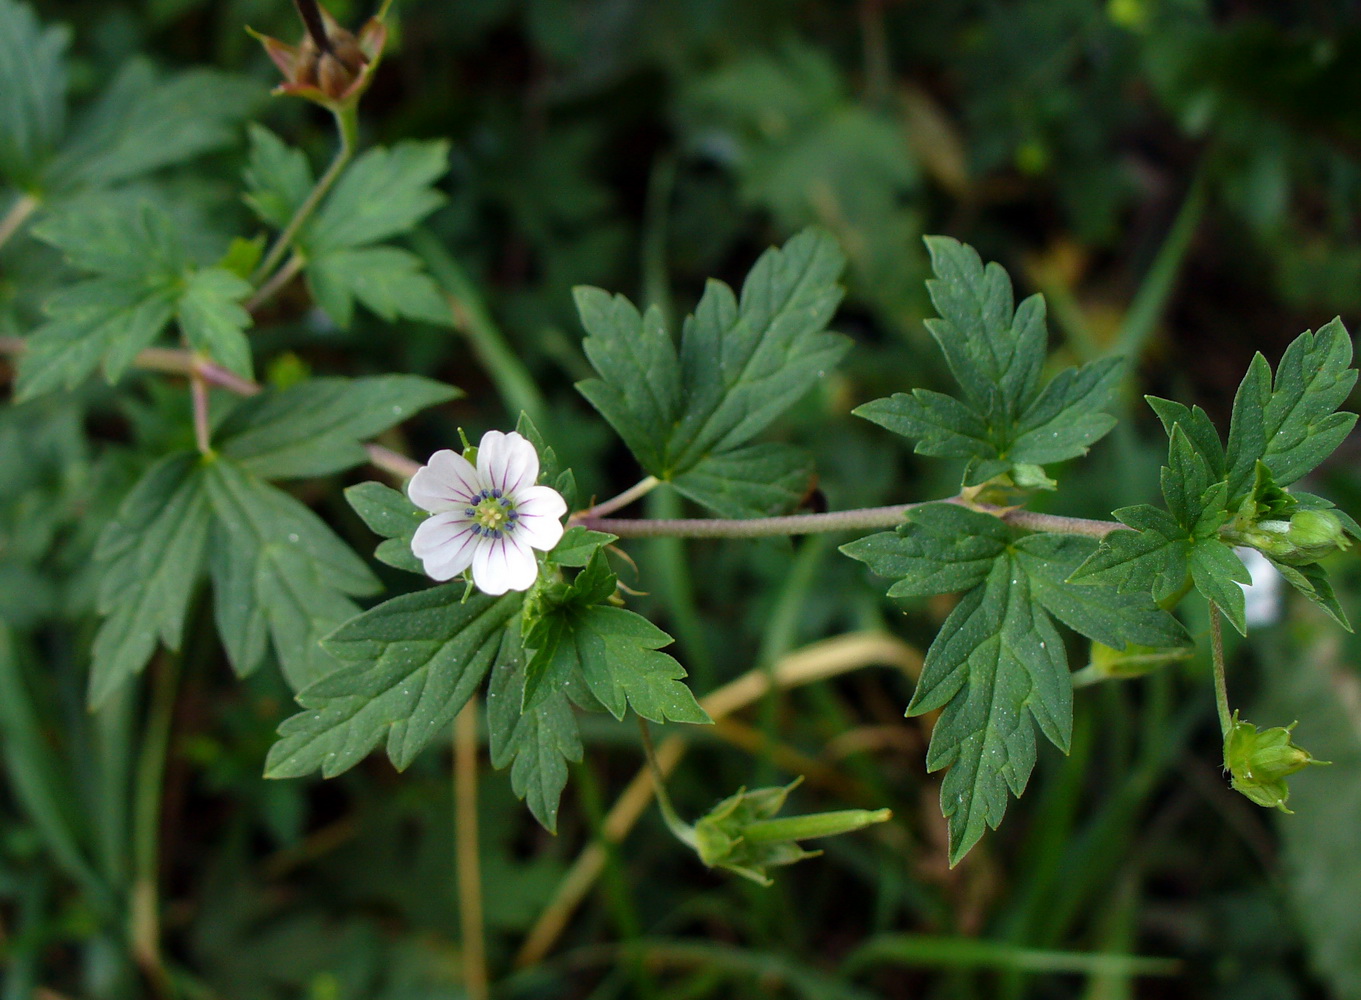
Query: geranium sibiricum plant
x=546, y=628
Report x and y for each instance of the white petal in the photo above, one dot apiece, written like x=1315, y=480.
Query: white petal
x=503, y=564
x=444, y=543
x=447, y=482
x=542, y=501
x=507, y=462
x=538, y=532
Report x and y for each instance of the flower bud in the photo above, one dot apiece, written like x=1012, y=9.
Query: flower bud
x=1309, y=535
x=742, y=834
x=1134, y=660
x=1259, y=761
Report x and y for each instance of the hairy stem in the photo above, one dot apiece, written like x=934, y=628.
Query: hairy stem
x=680, y=829
x=347, y=123
x=16, y=216
x=860, y=519
x=635, y=492
x=198, y=389
x=391, y=461
x=468, y=851
x=517, y=387
x=1221, y=685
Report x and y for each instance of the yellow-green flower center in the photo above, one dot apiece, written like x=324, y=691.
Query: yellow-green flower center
x=491, y=513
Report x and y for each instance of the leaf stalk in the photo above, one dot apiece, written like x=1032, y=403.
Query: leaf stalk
x=858, y=519
x=347, y=124
x=16, y=216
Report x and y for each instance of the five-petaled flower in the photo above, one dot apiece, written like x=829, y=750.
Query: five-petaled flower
x=490, y=517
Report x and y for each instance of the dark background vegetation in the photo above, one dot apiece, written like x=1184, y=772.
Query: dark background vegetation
x=1181, y=178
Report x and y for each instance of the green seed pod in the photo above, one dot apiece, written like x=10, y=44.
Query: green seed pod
x=1259, y=761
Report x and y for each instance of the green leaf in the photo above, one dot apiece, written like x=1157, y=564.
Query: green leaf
x=578, y=545
x=1291, y=427
x=744, y=362
x=1005, y=419
x=1312, y=582
x=998, y=657
x=104, y=320
x=538, y=742
x=757, y=480
x=278, y=177
x=383, y=193
x=411, y=664
x=1153, y=558
x=393, y=516
x=639, y=391
x=1112, y=619
x=940, y=549
x=1217, y=573
x=1196, y=425
x=32, y=92
x=613, y=650
x=133, y=240
x=279, y=573
x=741, y=363
x=143, y=123
x=318, y=427
x=993, y=350
x=153, y=554
x=387, y=280
x=213, y=320
x=144, y=280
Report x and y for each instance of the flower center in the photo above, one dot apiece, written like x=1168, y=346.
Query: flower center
x=493, y=514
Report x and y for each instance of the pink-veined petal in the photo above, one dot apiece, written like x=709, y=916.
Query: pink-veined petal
x=444, y=543
x=541, y=501
x=537, y=531
x=447, y=482
x=507, y=462
x=503, y=564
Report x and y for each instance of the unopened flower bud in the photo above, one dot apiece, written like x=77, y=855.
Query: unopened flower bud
x=743, y=835
x=1134, y=660
x=1309, y=535
x=1259, y=761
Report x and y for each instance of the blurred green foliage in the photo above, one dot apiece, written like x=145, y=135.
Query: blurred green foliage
x=1181, y=178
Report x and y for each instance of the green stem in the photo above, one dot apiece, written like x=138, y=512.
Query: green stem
x=517, y=388
x=347, y=124
x=279, y=279
x=637, y=491
x=468, y=853
x=145, y=930
x=16, y=216
x=676, y=590
x=1150, y=302
x=198, y=389
x=1221, y=685
x=680, y=829
x=860, y=519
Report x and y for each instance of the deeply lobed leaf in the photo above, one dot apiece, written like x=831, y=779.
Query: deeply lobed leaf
x=741, y=362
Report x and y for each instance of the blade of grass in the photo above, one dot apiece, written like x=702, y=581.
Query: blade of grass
x=930, y=951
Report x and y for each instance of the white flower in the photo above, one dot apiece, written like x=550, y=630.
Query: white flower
x=490, y=517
